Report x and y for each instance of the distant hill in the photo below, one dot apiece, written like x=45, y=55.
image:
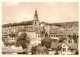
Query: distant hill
x=17, y=24
x=64, y=24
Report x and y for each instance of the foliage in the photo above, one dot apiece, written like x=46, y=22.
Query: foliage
x=47, y=42
x=75, y=38
x=39, y=50
x=17, y=24
x=23, y=40
x=46, y=34
x=77, y=52
x=62, y=38
x=65, y=24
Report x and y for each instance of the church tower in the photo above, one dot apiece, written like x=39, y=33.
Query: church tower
x=35, y=20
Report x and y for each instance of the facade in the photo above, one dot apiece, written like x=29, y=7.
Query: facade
x=64, y=48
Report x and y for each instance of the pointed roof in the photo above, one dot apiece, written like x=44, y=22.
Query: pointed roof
x=55, y=45
x=70, y=45
x=36, y=15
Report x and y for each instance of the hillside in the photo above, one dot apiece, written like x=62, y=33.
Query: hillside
x=64, y=24
x=17, y=24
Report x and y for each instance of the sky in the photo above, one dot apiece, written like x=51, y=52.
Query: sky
x=51, y=12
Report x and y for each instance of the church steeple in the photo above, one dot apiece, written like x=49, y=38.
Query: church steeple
x=35, y=20
x=36, y=16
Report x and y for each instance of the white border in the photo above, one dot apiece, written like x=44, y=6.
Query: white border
x=34, y=1
x=41, y=0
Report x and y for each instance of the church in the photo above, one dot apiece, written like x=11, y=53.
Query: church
x=33, y=29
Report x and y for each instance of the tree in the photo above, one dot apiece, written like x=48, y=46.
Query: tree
x=75, y=38
x=77, y=52
x=39, y=50
x=34, y=49
x=46, y=34
x=69, y=36
x=23, y=40
x=61, y=39
x=46, y=42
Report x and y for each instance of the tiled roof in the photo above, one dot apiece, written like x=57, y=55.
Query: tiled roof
x=57, y=32
x=26, y=30
x=38, y=28
x=29, y=30
x=38, y=32
x=55, y=45
x=68, y=33
x=22, y=30
x=73, y=45
x=70, y=45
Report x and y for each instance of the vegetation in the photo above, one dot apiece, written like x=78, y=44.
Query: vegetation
x=39, y=49
x=47, y=42
x=75, y=38
x=62, y=38
x=17, y=24
x=65, y=24
x=23, y=40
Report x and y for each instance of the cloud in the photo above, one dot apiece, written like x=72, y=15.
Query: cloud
x=11, y=3
x=23, y=17
x=26, y=16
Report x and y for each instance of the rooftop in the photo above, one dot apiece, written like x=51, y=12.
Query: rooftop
x=70, y=45
x=6, y=49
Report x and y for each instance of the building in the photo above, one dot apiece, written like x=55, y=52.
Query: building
x=64, y=48
x=12, y=50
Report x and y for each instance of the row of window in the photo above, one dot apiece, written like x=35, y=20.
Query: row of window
x=55, y=35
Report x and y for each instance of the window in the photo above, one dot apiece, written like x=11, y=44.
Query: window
x=63, y=45
x=71, y=49
x=35, y=22
x=64, y=49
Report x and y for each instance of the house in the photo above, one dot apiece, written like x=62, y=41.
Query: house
x=55, y=32
x=68, y=48
x=55, y=48
x=64, y=48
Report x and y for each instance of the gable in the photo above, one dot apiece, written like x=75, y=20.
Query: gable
x=64, y=45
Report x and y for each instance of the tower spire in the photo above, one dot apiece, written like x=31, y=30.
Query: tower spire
x=36, y=15
x=35, y=20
